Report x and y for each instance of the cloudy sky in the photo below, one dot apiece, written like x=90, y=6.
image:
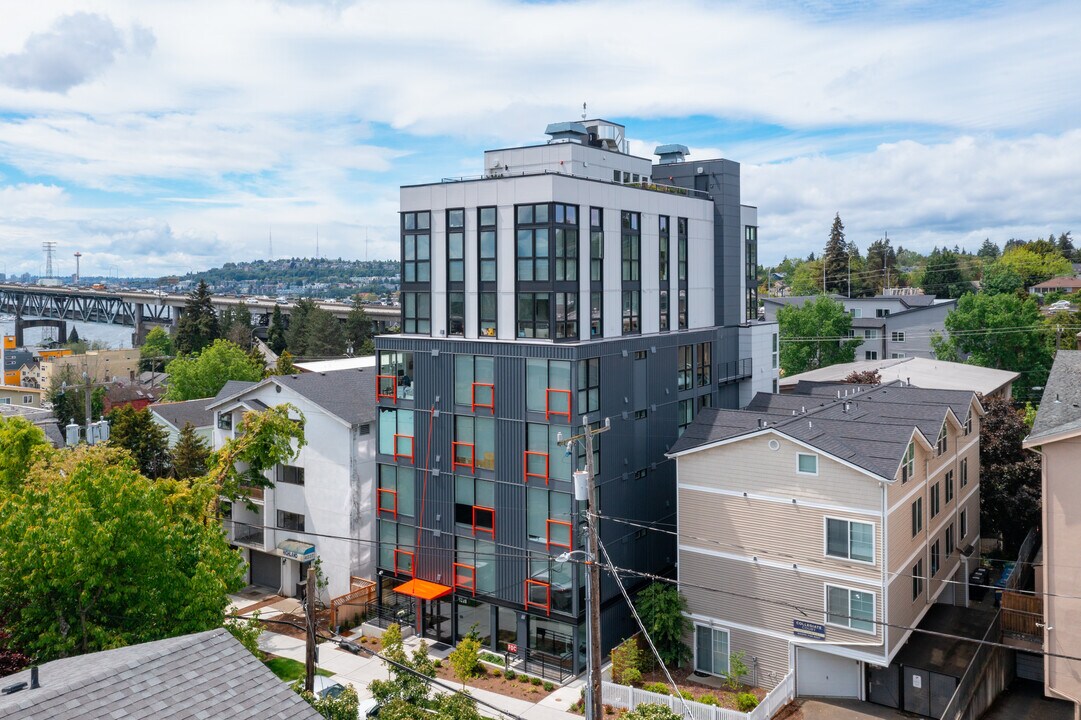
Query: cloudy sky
x=162, y=136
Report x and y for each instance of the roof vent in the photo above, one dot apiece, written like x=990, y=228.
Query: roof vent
x=672, y=154
x=563, y=132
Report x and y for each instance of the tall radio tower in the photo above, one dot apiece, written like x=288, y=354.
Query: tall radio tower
x=77, y=256
x=49, y=246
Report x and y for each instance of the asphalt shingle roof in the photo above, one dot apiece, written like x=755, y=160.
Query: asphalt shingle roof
x=872, y=432
x=201, y=676
x=1060, y=409
x=178, y=414
x=231, y=387
x=347, y=394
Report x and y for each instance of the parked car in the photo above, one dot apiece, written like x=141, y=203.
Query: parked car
x=324, y=687
x=368, y=709
x=1060, y=305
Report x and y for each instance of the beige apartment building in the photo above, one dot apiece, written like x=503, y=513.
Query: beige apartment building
x=101, y=365
x=817, y=529
x=1056, y=435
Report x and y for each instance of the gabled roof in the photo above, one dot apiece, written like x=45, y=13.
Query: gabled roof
x=178, y=414
x=1060, y=409
x=346, y=394
x=205, y=675
x=231, y=388
x=1059, y=282
x=870, y=428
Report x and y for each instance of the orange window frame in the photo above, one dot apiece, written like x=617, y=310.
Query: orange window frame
x=491, y=530
x=472, y=464
x=548, y=534
x=547, y=604
x=412, y=562
x=549, y=412
x=400, y=454
x=379, y=394
x=473, y=394
x=460, y=570
x=525, y=465
x=379, y=505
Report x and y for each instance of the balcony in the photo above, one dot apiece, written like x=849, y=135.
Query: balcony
x=1022, y=620
x=244, y=534
x=733, y=371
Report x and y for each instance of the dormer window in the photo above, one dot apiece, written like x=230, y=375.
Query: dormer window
x=942, y=444
x=908, y=465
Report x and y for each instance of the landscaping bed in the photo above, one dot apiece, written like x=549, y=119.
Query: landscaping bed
x=686, y=683
x=523, y=687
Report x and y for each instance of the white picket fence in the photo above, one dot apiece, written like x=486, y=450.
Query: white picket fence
x=628, y=697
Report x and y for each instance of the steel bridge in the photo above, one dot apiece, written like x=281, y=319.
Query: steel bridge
x=142, y=310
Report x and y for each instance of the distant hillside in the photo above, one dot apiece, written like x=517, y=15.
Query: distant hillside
x=317, y=277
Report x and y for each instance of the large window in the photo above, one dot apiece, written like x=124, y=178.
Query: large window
x=291, y=474
x=479, y=556
x=416, y=312
x=474, y=504
x=416, y=247
x=589, y=385
x=632, y=312
x=596, y=314
x=567, y=315
x=705, y=363
x=474, y=443
x=917, y=516
x=663, y=236
x=396, y=375
x=949, y=540
x=544, y=457
x=936, y=558
x=488, y=313
x=936, y=504
x=681, y=271
x=665, y=310
x=631, y=246
x=908, y=463
x=685, y=414
x=474, y=381
x=964, y=523
x=566, y=253
x=548, y=387
x=943, y=440
x=949, y=486
x=397, y=490
x=534, y=315
x=806, y=464
x=711, y=646
x=850, y=540
x=964, y=471
x=596, y=244
x=751, y=275
x=290, y=521
x=850, y=608
x=685, y=367
x=533, y=254
x=486, y=242
x=396, y=546
x=456, y=246
x=456, y=313
x=548, y=516
x=396, y=433
x=917, y=580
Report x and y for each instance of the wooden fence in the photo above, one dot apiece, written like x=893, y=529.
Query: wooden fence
x=1021, y=613
x=625, y=696
x=347, y=610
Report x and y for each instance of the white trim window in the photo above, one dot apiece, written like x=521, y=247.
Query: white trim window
x=897, y=336
x=711, y=647
x=850, y=540
x=908, y=463
x=850, y=608
x=806, y=464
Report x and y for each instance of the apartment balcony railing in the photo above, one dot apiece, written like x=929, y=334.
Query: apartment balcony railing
x=253, y=493
x=245, y=534
x=733, y=371
x=1022, y=614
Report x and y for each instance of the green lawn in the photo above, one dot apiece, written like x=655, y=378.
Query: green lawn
x=290, y=670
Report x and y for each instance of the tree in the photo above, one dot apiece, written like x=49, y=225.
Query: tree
x=864, y=377
x=1000, y=278
x=156, y=351
x=661, y=607
x=276, y=333
x=94, y=555
x=944, y=276
x=835, y=257
x=261, y=441
x=988, y=251
x=20, y=440
x=147, y=441
x=67, y=395
x=324, y=334
x=999, y=331
x=296, y=336
x=236, y=325
x=1035, y=267
x=284, y=365
x=190, y=455
x=358, y=328
x=815, y=335
x=73, y=337
x=1065, y=246
x=1009, y=476
x=198, y=325
x=881, y=264
x=465, y=658
x=203, y=374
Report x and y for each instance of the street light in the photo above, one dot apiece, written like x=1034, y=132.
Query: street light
x=590, y=668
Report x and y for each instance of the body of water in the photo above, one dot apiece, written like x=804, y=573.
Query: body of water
x=115, y=336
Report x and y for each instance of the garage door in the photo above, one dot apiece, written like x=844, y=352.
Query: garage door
x=266, y=570
x=1029, y=666
x=819, y=674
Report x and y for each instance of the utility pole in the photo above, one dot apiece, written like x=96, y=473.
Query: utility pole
x=585, y=488
x=309, y=664
x=88, y=392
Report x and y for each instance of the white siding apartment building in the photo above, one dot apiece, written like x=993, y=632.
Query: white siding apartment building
x=815, y=529
x=321, y=505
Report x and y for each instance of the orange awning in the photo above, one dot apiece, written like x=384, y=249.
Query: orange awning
x=423, y=589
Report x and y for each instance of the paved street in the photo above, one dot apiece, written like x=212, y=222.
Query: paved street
x=360, y=670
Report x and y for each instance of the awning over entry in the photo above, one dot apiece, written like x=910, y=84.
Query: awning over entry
x=423, y=589
x=296, y=549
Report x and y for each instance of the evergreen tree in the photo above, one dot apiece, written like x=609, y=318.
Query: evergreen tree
x=198, y=326
x=324, y=334
x=276, y=334
x=285, y=364
x=135, y=431
x=296, y=336
x=73, y=336
x=190, y=455
x=881, y=264
x=988, y=251
x=358, y=328
x=943, y=275
x=1065, y=246
x=239, y=328
x=836, y=259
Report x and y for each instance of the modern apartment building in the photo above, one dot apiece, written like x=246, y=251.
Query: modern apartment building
x=1056, y=435
x=571, y=280
x=816, y=530
x=320, y=505
x=890, y=326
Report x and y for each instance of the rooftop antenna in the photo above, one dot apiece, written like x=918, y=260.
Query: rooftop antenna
x=77, y=256
x=583, y=111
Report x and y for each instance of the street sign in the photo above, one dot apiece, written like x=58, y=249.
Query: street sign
x=814, y=631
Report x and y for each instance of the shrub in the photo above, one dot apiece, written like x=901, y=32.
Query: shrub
x=438, y=663
x=746, y=701
x=651, y=711
x=686, y=694
x=609, y=710
x=465, y=659
x=510, y=674
x=631, y=676
x=709, y=699
x=736, y=669
x=626, y=656
x=536, y=681
x=549, y=685
x=661, y=607
x=497, y=673
x=657, y=687
x=524, y=679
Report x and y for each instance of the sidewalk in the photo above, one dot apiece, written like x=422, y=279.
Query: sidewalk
x=360, y=670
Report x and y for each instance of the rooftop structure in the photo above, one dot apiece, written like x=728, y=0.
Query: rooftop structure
x=916, y=371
